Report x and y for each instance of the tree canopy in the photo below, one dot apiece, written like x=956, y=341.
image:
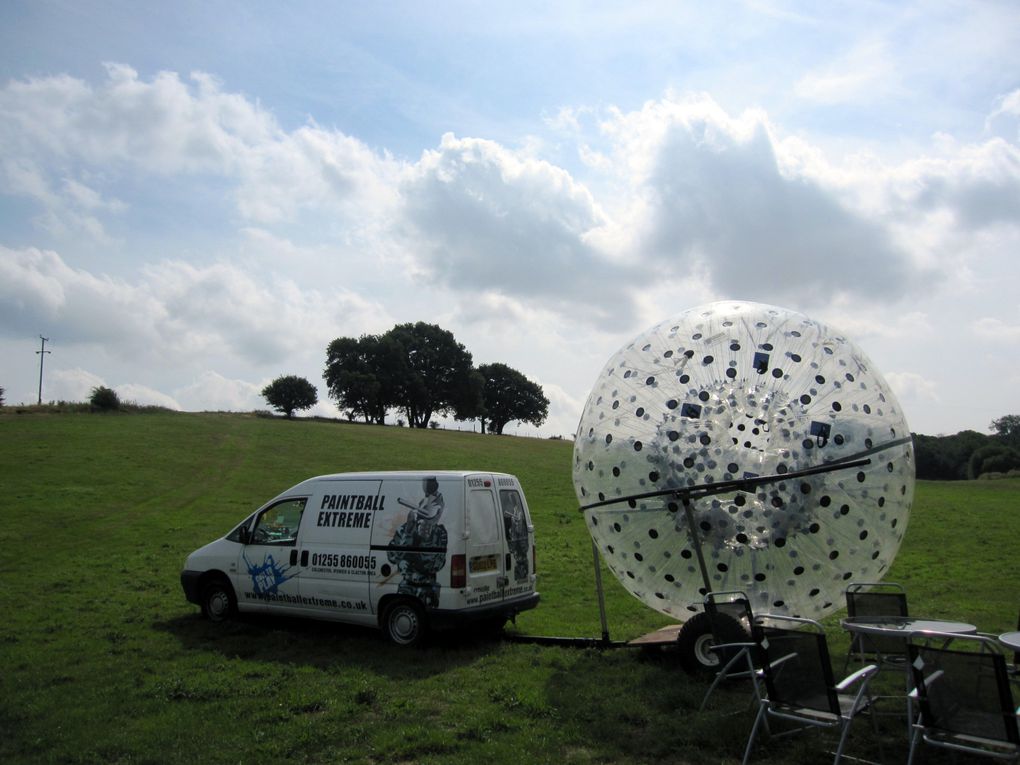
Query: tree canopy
x=362, y=374
x=417, y=367
x=969, y=454
x=508, y=395
x=1007, y=428
x=290, y=392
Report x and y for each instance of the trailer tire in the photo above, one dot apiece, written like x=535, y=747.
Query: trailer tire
x=696, y=639
x=218, y=600
x=404, y=623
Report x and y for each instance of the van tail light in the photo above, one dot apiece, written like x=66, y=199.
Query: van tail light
x=458, y=571
x=534, y=562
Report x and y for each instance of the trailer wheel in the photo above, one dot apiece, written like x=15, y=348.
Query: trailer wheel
x=218, y=601
x=696, y=639
x=404, y=623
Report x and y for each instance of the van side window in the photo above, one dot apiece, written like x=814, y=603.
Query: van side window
x=278, y=524
x=483, y=517
x=235, y=535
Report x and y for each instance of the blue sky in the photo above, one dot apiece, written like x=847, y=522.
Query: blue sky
x=196, y=197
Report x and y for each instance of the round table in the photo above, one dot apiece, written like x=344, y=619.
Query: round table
x=903, y=627
x=1011, y=640
x=890, y=626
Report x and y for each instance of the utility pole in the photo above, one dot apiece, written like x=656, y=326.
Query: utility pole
x=42, y=354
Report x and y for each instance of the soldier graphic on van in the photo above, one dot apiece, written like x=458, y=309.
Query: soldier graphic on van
x=516, y=527
x=418, y=548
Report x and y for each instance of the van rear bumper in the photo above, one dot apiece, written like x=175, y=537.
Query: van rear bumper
x=446, y=619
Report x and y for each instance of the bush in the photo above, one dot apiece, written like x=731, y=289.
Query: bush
x=104, y=399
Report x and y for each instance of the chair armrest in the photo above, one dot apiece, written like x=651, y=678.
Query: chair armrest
x=856, y=677
x=934, y=677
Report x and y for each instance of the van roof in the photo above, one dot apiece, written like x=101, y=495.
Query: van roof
x=410, y=475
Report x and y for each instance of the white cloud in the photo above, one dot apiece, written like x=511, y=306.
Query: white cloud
x=212, y=391
x=133, y=393
x=169, y=127
x=864, y=72
x=487, y=218
x=176, y=311
x=74, y=384
x=912, y=387
x=996, y=331
x=714, y=198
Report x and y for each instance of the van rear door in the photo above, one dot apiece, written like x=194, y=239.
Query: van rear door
x=485, y=548
x=518, y=533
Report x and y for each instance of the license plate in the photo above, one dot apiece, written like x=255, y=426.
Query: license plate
x=483, y=563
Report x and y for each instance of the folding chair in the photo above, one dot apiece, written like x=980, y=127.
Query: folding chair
x=805, y=691
x=1016, y=656
x=876, y=599
x=730, y=617
x=963, y=696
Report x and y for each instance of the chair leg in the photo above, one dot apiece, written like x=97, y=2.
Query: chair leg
x=720, y=676
x=914, y=739
x=842, y=740
x=754, y=732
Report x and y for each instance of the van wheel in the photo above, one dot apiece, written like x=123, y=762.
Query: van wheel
x=218, y=601
x=404, y=623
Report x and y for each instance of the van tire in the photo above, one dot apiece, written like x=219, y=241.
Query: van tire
x=218, y=600
x=404, y=623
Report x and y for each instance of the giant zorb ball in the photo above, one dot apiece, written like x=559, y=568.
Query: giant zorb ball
x=730, y=392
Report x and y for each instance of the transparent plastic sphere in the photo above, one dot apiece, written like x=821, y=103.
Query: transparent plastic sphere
x=734, y=391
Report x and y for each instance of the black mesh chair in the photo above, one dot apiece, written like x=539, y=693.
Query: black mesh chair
x=1016, y=655
x=730, y=617
x=800, y=684
x=876, y=599
x=962, y=695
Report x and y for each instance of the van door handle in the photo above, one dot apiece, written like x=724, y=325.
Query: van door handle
x=508, y=564
x=293, y=557
x=304, y=557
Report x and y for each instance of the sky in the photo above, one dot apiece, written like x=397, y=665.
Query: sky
x=197, y=197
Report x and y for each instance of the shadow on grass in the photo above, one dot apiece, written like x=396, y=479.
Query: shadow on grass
x=641, y=706
x=327, y=645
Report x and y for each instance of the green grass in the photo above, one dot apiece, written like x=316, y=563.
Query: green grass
x=102, y=660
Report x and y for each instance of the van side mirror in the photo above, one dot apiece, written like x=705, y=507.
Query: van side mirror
x=245, y=536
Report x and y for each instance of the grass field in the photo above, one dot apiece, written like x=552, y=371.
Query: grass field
x=103, y=660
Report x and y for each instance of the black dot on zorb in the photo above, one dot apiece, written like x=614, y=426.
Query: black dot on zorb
x=783, y=436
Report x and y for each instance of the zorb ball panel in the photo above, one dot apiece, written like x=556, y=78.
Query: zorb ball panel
x=734, y=391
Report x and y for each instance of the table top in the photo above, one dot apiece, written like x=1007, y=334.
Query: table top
x=904, y=625
x=1010, y=640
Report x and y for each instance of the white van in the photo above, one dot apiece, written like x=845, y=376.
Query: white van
x=400, y=551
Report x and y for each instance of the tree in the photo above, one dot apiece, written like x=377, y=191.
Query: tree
x=1007, y=428
x=508, y=395
x=438, y=375
x=104, y=399
x=995, y=458
x=363, y=374
x=290, y=392
x=2, y=396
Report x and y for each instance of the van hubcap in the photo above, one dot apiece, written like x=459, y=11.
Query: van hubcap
x=404, y=624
